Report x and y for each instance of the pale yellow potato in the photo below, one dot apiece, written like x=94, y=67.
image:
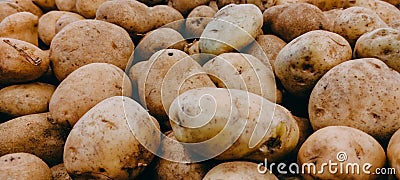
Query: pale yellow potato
x=46, y=4
x=88, y=8
x=23, y=166
x=21, y=61
x=66, y=5
x=327, y=5
x=37, y=134
x=232, y=124
x=116, y=139
x=185, y=6
x=228, y=20
x=393, y=152
x=238, y=170
x=387, y=12
x=198, y=19
x=89, y=41
x=67, y=19
x=341, y=145
x=163, y=15
x=356, y=21
x=58, y=172
x=22, y=26
x=302, y=62
x=361, y=93
x=7, y=8
x=25, y=99
x=86, y=87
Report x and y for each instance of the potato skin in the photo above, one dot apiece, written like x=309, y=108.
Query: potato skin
x=22, y=26
x=198, y=19
x=86, y=87
x=387, y=12
x=164, y=15
x=7, y=8
x=58, y=172
x=66, y=19
x=360, y=93
x=393, y=152
x=326, y=5
x=119, y=134
x=46, y=4
x=12, y=166
x=185, y=7
x=25, y=99
x=66, y=5
x=323, y=145
x=16, y=66
x=88, y=8
x=107, y=43
x=238, y=170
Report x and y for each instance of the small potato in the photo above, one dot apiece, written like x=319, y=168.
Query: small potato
x=383, y=43
x=301, y=63
x=89, y=41
x=262, y=4
x=343, y=146
x=197, y=20
x=37, y=134
x=25, y=99
x=22, y=26
x=231, y=124
x=185, y=6
x=164, y=15
x=360, y=93
x=86, y=87
x=331, y=17
x=133, y=16
x=238, y=170
x=23, y=166
x=326, y=5
x=161, y=38
x=228, y=20
x=356, y=21
x=59, y=172
x=66, y=19
x=393, y=152
x=114, y=140
x=66, y=5
x=7, y=8
x=28, y=6
x=88, y=8
x=21, y=61
x=387, y=12
x=46, y=4
x=292, y=20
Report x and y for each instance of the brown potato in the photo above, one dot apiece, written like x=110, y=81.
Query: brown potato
x=23, y=166
x=7, y=8
x=88, y=8
x=393, y=152
x=185, y=6
x=197, y=20
x=28, y=6
x=327, y=5
x=66, y=19
x=331, y=17
x=58, y=172
x=262, y=4
x=66, y=5
x=37, y=134
x=22, y=26
x=25, y=99
x=238, y=170
x=164, y=15
x=387, y=12
x=46, y=4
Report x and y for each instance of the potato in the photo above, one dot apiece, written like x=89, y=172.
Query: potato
x=244, y=72
x=22, y=26
x=66, y=19
x=266, y=48
x=168, y=73
x=326, y=5
x=387, y=12
x=89, y=41
x=232, y=124
x=301, y=63
x=393, y=2
x=161, y=38
x=262, y=4
x=88, y=8
x=133, y=16
x=164, y=15
x=359, y=93
x=291, y=21
x=23, y=166
x=331, y=17
x=185, y=6
x=383, y=43
x=241, y=30
x=344, y=146
x=213, y=4
x=238, y=170
x=355, y=21
x=25, y=99
x=37, y=134
x=47, y=25
x=66, y=5
x=136, y=70
x=21, y=61
x=59, y=172
x=29, y=6
x=46, y=4
x=124, y=133
x=7, y=8
x=84, y=88
x=197, y=20
x=393, y=152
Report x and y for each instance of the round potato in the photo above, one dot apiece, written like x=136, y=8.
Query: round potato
x=7, y=8
x=46, y=4
x=25, y=99
x=387, y=12
x=231, y=124
x=359, y=93
x=344, y=146
x=198, y=19
x=88, y=8
x=383, y=43
x=393, y=152
x=21, y=61
x=22, y=26
x=238, y=170
x=66, y=5
x=301, y=63
x=23, y=166
x=28, y=6
x=66, y=19
x=58, y=172
x=185, y=6
x=89, y=41
x=86, y=87
x=114, y=140
x=164, y=15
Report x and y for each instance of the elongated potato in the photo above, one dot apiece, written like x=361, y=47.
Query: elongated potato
x=86, y=87
x=23, y=166
x=115, y=139
x=238, y=170
x=393, y=152
x=232, y=124
x=22, y=26
x=37, y=134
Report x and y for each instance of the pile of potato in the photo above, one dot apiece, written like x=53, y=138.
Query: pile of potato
x=204, y=89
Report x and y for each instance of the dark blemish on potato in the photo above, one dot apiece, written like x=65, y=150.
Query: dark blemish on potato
x=33, y=60
x=170, y=54
x=214, y=30
x=273, y=143
x=387, y=51
x=102, y=170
